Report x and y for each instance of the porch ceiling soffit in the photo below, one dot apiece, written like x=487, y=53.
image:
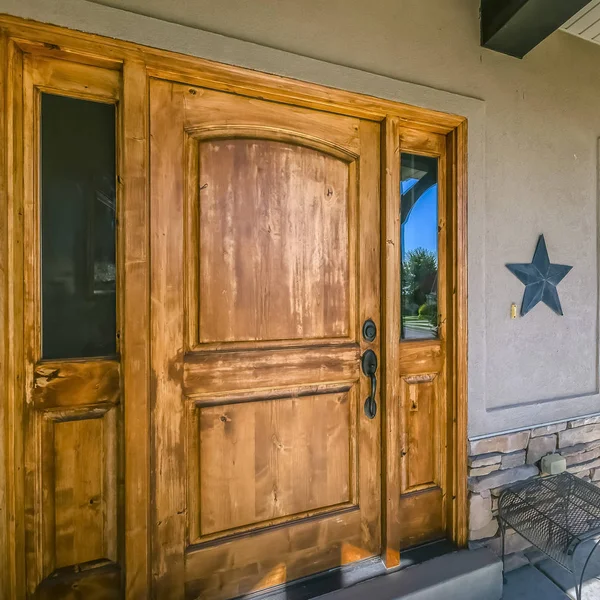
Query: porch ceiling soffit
x=515, y=27
x=586, y=23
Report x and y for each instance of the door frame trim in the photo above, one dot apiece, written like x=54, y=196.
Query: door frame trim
x=138, y=63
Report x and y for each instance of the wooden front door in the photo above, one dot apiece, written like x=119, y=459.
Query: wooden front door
x=264, y=238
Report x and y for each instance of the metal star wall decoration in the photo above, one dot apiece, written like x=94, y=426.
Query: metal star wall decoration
x=540, y=277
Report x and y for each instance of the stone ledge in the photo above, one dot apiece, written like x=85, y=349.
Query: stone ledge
x=582, y=422
x=578, y=435
x=585, y=447
x=586, y=466
x=480, y=513
x=485, y=460
x=496, y=463
x=488, y=531
x=514, y=459
x=502, y=478
x=548, y=429
x=581, y=457
x=539, y=447
x=503, y=443
x=479, y=471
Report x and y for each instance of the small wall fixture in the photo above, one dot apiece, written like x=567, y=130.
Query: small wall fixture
x=553, y=464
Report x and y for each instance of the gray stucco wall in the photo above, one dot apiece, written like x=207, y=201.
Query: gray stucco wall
x=534, y=126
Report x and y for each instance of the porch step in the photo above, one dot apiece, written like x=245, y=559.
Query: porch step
x=462, y=575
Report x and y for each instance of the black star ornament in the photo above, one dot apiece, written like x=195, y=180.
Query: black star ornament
x=540, y=277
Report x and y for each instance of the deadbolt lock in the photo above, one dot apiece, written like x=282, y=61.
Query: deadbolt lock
x=369, y=330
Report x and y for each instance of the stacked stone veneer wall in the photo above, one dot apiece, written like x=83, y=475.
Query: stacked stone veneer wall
x=499, y=461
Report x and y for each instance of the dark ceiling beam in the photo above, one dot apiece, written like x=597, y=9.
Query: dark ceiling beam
x=514, y=27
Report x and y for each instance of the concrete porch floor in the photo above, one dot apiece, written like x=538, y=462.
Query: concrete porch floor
x=528, y=583
x=542, y=578
x=545, y=580
x=476, y=575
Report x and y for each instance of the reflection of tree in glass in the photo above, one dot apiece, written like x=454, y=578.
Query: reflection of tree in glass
x=419, y=284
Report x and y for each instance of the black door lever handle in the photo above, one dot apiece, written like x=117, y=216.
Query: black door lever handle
x=369, y=368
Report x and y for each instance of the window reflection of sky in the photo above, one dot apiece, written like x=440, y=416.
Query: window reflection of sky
x=420, y=229
x=407, y=184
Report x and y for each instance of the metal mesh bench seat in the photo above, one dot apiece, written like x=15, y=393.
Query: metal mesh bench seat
x=555, y=514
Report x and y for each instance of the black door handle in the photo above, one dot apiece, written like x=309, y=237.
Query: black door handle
x=369, y=368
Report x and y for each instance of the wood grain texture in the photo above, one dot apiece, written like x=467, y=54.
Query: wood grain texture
x=457, y=150
x=209, y=373
x=273, y=242
x=76, y=509
x=420, y=414
x=252, y=456
x=75, y=79
x=15, y=366
x=422, y=520
x=241, y=117
x=32, y=211
x=368, y=274
x=423, y=393
x=281, y=256
x=390, y=203
x=71, y=418
x=102, y=583
x=4, y=326
x=419, y=142
x=287, y=553
x=135, y=319
x=83, y=487
x=70, y=79
x=420, y=356
x=168, y=459
x=69, y=54
x=288, y=91
x=261, y=467
x=422, y=420
x=62, y=384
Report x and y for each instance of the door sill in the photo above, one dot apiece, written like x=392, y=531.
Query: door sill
x=339, y=578
x=319, y=584
x=424, y=552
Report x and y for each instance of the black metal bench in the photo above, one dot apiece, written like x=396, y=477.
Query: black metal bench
x=555, y=514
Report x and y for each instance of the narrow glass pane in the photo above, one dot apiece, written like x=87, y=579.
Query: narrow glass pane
x=419, y=243
x=78, y=228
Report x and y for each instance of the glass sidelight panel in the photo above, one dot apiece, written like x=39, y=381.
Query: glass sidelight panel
x=419, y=244
x=78, y=197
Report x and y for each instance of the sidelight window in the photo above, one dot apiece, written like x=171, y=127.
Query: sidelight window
x=419, y=246
x=78, y=219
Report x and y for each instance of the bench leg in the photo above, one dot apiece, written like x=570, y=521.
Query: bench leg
x=579, y=585
x=503, y=534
